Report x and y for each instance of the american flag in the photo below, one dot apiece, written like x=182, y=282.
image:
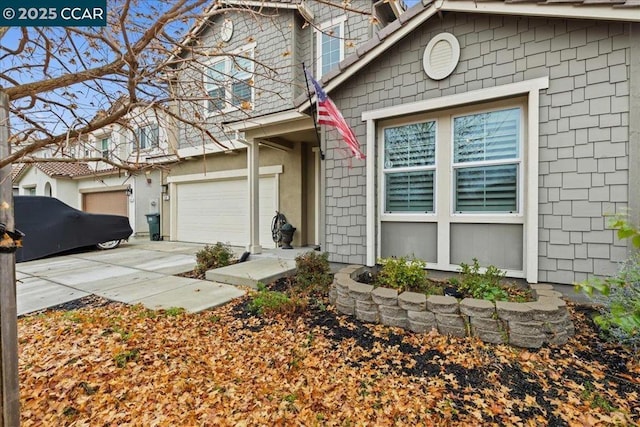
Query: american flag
x=328, y=114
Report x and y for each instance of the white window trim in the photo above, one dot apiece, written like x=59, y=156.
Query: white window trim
x=532, y=89
x=227, y=90
x=318, y=36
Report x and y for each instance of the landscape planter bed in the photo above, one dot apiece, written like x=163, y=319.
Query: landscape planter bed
x=527, y=324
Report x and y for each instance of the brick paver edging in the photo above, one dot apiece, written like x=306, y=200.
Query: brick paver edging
x=529, y=324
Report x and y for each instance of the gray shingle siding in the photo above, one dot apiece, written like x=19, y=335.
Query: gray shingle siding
x=584, y=134
x=272, y=73
x=282, y=44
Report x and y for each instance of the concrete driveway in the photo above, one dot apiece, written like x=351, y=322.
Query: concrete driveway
x=139, y=271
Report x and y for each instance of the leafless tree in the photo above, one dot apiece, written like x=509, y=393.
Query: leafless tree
x=64, y=83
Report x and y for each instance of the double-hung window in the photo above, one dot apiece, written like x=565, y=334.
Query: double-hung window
x=147, y=137
x=104, y=147
x=409, y=168
x=487, y=161
x=241, y=81
x=329, y=45
x=229, y=82
x=215, y=81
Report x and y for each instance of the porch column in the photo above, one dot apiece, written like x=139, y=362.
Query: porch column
x=253, y=175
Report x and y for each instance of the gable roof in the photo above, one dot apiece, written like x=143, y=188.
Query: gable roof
x=213, y=9
x=381, y=41
x=55, y=169
x=52, y=169
x=396, y=6
x=64, y=169
x=17, y=170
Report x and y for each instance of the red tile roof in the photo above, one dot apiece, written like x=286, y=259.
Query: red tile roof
x=64, y=169
x=17, y=169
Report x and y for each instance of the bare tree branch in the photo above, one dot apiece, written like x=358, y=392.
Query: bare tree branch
x=152, y=63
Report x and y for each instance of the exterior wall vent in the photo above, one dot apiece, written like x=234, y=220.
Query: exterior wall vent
x=441, y=56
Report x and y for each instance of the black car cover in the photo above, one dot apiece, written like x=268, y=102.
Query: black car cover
x=51, y=227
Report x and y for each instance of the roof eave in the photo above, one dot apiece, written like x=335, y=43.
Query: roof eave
x=198, y=27
x=420, y=13
x=585, y=10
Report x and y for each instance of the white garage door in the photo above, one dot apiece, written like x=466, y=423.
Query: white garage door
x=218, y=211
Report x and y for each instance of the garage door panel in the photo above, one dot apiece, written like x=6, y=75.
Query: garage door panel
x=217, y=211
x=106, y=202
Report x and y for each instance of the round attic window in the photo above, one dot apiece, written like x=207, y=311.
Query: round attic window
x=441, y=56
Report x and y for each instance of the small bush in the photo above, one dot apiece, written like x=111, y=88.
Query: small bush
x=619, y=303
x=625, y=229
x=174, y=311
x=270, y=303
x=313, y=273
x=403, y=274
x=122, y=358
x=482, y=285
x=216, y=256
x=619, y=296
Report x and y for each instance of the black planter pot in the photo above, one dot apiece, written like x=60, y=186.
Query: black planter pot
x=286, y=231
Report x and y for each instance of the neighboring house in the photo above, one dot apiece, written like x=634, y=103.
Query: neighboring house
x=505, y=131
x=52, y=179
x=17, y=170
x=112, y=190
x=271, y=161
x=99, y=187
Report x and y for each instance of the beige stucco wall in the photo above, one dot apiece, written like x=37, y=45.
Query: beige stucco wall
x=292, y=198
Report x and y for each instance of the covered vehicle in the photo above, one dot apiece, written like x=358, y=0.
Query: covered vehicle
x=51, y=226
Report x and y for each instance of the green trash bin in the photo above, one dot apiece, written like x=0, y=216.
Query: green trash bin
x=154, y=226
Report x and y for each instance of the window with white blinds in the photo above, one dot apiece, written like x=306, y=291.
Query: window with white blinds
x=214, y=83
x=229, y=82
x=241, y=80
x=486, y=161
x=409, y=167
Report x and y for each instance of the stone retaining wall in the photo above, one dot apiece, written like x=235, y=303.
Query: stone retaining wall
x=530, y=324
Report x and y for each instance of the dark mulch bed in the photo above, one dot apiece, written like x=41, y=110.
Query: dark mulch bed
x=521, y=383
x=193, y=274
x=446, y=286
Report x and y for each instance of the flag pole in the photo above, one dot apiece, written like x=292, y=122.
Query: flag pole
x=313, y=111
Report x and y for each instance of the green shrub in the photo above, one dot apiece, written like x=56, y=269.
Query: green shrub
x=216, y=256
x=313, y=273
x=621, y=223
x=619, y=296
x=122, y=358
x=270, y=303
x=174, y=311
x=619, y=300
x=403, y=274
x=482, y=285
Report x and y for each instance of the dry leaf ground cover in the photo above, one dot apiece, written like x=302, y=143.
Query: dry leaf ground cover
x=117, y=365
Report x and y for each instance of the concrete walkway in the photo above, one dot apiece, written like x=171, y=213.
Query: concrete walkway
x=139, y=271
x=264, y=268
